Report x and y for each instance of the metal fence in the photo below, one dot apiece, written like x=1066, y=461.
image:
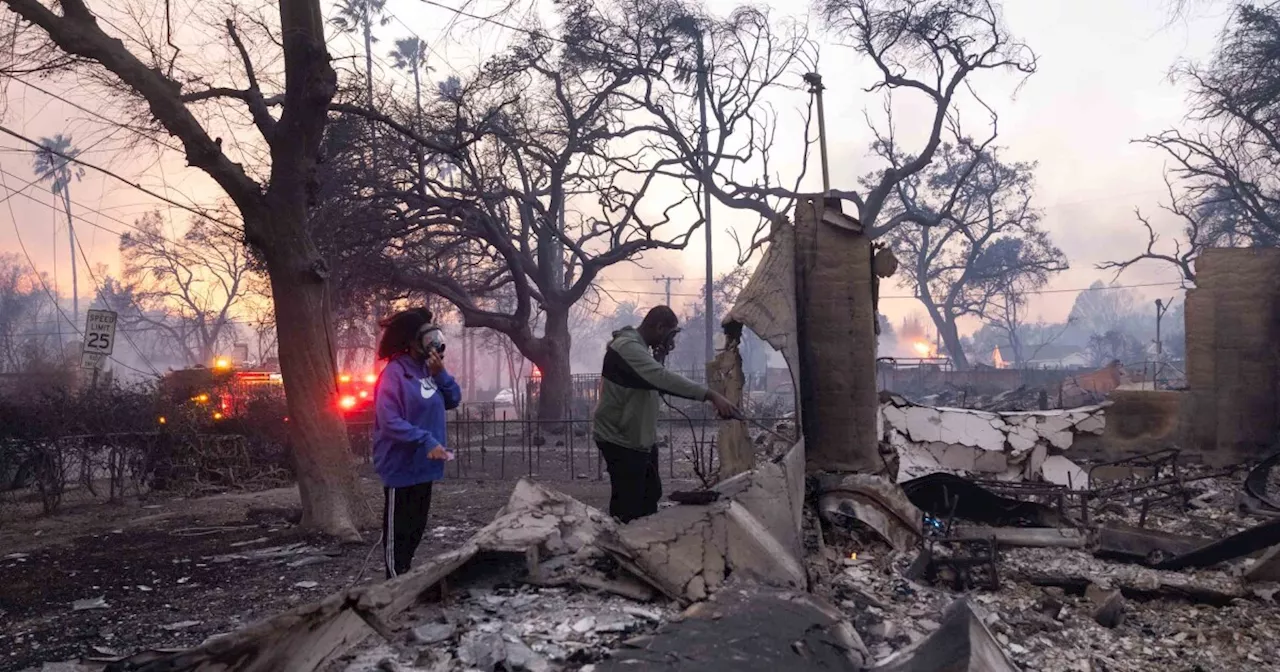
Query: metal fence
x=558, y=450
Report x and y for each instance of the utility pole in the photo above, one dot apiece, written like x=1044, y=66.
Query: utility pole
x=668, y=280
x=1161, y=309
x=706, y=193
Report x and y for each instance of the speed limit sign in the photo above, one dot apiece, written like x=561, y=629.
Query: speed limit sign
x=99, y=337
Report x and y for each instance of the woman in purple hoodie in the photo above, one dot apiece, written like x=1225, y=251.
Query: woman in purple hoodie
x=413, y=393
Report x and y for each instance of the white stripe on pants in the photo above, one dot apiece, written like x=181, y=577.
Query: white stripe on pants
x=389, y=548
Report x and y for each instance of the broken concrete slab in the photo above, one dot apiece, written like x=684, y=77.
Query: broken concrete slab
x=1061, y=471
x=962, y=644
x=314, y=635
x=874, y=501
x=753, y=530
x=749, y=629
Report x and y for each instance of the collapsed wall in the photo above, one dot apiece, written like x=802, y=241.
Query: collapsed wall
x=1021, y=445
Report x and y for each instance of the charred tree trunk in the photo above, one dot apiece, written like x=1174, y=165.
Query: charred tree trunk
x=955, y=350
x=321, y=450
x=552, y=358
x=950, y=335
x=946, y=326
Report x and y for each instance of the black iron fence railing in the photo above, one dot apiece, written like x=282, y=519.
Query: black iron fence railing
x=557, y=450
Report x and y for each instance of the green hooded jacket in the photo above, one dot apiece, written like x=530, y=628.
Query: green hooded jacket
x=627, y=413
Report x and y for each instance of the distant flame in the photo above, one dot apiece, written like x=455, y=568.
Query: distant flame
x=923, y=348
x=853, y=556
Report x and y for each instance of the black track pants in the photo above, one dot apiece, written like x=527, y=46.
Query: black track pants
x=634, y=482
x=404, y=519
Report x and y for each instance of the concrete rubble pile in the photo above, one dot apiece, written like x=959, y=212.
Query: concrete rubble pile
x=555, y=584
x=751, y=530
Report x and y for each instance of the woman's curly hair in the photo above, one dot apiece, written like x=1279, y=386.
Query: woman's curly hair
x=399, y=330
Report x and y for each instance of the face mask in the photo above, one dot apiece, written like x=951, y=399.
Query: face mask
x=668, y=344
x=431, y=338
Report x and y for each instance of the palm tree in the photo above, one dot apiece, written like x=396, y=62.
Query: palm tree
x=359, y=15
x=53, y=162
x=411, y=54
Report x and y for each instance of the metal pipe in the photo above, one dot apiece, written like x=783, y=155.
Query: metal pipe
x=814, y=80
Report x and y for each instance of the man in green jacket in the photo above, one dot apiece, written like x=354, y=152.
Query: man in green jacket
x=626, y=418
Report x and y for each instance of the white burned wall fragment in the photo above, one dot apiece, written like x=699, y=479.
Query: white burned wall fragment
x=1012, y=445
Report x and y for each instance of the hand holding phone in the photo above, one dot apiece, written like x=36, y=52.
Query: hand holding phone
x=435, y=363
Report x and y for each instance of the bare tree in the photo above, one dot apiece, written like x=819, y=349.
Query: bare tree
x=1006, y=308
x=1226, y=164
x=146, y=71
x=924, y=50
x=708, y=82
x=1102, y=308
x=972, y=244
x=555, y=183
x=1114, y=345
x=187, y=288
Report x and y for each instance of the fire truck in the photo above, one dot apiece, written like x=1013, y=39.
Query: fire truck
x=225, y=391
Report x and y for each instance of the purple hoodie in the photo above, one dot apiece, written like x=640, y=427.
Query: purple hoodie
x=410, y=420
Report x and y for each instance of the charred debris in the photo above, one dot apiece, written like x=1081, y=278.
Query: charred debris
x=887, y=536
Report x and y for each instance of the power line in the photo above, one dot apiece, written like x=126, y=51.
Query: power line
x=103, y=297
x=536, y=33
x=7, y=131
x=52, y=299
x=94, y=113
x=97, y=283
x=642, y=292
x=39, y=178
x=98, y=289
x=175, y=241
